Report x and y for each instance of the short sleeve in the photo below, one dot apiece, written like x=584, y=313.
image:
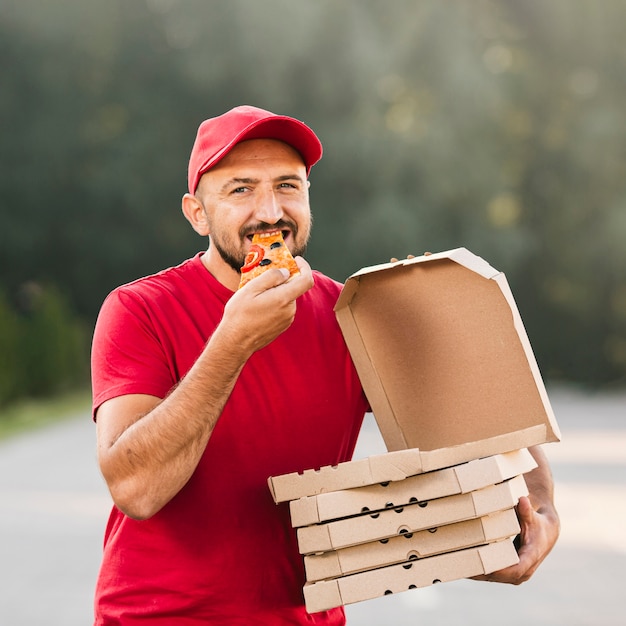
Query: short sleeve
x=127, y=356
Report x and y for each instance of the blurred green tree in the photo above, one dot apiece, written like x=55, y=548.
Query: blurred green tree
x=494, y=125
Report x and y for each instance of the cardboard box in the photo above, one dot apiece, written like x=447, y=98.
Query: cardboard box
x=327, y=594
x=407, y=519
x=371, y=470
x=412, y=546
x=444, y=358
x=461, y=478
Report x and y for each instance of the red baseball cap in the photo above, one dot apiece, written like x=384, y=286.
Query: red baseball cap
x=218, y=136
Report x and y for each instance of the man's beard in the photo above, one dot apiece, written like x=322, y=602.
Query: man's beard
x=235, y=259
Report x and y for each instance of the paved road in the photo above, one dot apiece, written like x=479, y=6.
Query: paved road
x=53, y=508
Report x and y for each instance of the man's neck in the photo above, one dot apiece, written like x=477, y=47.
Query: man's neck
x=220, y=270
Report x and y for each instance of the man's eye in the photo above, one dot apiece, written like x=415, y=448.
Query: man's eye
x=287, y=186
x=239, y=189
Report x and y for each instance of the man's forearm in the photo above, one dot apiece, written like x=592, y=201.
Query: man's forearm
x=541, y=484
x=153, y=457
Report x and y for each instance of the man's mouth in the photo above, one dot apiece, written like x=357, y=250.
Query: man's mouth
x=268, y=233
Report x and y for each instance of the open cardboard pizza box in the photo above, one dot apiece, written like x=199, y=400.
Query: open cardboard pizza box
x=444, y=358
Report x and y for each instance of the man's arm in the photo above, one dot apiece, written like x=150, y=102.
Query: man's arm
x=539, y=522
x=148, y=448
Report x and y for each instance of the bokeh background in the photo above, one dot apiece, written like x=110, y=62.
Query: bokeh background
x=497, y=125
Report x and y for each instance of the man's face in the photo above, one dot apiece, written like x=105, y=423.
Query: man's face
x=259, y=186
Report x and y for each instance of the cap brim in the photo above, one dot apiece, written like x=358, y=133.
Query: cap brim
x=287, y=129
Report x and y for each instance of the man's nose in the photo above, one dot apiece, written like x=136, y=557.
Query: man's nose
x=268, y=208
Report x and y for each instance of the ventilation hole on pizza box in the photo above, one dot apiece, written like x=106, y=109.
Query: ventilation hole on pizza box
x=412, y=500
x=389, y=505
x=399, y=509
x=432, y=530
x=407, y=566
x=386, y=484
x=365, y=509
x=407, y=535
x=412, y=557
x=384, y=540
x=375, y=515
x=436, y=581
x=423, y=505
x=412, y=586
x=388, y=592
x=404, y=530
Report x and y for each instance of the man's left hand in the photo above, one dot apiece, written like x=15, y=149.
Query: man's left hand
x=539, y=532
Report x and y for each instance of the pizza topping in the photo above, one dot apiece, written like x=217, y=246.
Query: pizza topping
x=265, y=262
x=253, y=258
x=275, y=245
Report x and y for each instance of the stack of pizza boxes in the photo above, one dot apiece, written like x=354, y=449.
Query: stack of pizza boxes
x=451, y=378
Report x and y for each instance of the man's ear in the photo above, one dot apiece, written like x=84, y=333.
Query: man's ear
x=195, y=214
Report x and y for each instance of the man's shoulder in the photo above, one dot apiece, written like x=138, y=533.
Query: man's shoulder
x=324, y=293
x=168, y=276
x=148, y=291
x=326, y=283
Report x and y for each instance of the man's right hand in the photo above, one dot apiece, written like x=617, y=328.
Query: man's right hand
x=265, y=307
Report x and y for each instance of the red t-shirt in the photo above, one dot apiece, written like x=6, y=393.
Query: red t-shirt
x=221, y=551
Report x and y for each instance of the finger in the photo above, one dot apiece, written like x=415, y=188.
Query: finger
x=408, y=256
x=528, y=558
x=290, y=286
x=303, y=266
x=525, y=511
x=299, y=283
x=267, y=280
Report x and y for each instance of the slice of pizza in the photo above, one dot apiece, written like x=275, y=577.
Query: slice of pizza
x=268, y=250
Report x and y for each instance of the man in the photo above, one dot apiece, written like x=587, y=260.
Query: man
x=202, y=391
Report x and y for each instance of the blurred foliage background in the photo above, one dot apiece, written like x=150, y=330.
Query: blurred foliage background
x=492, y=124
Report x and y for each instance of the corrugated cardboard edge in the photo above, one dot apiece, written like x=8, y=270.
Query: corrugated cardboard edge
x=370, y=470
x=461, y=255
x=553, y=433
x=363, y=363
x=487, y=500
x=498, y=468
x=328, y=594
x=508, y=442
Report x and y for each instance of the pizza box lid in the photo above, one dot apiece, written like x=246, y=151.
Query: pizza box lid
x=443, y=356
